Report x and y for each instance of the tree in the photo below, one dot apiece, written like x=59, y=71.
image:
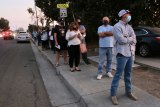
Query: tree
x=4, y=24
x=144, y=12
x=40, y=15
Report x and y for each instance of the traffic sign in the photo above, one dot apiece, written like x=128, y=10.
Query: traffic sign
x=63, y=12
x=62, y=6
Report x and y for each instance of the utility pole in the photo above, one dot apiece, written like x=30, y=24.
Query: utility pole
x=36, y=11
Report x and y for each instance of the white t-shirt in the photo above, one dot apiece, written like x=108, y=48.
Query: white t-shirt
x=44, y=36
x=50, y=36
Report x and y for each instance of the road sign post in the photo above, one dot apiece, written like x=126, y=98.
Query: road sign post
x=62, y=6
x=63, y=11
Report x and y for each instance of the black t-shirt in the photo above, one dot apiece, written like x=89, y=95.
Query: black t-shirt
x=60, y=36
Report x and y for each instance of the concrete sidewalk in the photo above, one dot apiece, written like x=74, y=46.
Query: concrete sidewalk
x=96, y=93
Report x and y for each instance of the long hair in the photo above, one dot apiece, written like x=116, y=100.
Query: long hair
x=72, y=26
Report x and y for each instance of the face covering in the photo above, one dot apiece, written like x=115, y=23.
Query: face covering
x=79, y=23
x=74, y=28
x=128, y=19
x=105, y=22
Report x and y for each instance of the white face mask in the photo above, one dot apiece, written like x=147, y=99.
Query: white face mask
x=128, y=19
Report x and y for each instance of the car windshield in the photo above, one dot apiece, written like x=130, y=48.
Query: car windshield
x=155, y=30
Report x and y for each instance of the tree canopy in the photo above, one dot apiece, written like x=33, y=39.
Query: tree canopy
x=4, y=24
x=91, y=12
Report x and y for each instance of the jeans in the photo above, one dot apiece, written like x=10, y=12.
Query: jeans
x=123, y=64
x=104, y=53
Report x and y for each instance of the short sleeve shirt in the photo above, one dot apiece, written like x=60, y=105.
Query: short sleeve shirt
x=106, y=41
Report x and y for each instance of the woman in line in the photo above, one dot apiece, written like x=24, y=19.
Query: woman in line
x=60, y=43
x=74, y=38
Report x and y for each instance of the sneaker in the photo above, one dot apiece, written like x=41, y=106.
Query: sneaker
x=114, y=100
x=109, y=74
x=99, y=77
x=131, y=96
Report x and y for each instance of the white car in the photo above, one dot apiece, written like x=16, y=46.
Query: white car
x=23, y=37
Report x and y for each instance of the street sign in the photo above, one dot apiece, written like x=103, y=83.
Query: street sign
x=62, y=6
x=63, y=12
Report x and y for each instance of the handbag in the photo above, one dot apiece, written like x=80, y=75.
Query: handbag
x=83, y=48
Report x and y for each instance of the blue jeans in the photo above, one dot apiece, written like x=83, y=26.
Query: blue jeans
x=104, y=53
x=123, y=64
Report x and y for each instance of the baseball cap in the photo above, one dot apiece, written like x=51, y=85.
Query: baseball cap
x=122, y=12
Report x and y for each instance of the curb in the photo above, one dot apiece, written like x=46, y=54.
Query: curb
x=66, y=83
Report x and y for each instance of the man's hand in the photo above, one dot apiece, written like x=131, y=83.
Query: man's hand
x=108, y=33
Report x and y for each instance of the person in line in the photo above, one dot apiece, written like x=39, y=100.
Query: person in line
x=39, y=37
x=82, y=29
x=52, y=42
x=34, y=35
x=106, y=42
x=44, y=39
x=74, y=38
x=60, y=43
x=125, y=40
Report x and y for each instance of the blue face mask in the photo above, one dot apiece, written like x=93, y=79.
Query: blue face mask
x=128, y=19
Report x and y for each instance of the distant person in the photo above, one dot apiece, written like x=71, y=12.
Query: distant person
x=74, y=38
x=34, y=35
x=60, y=43
x=125, y=43
x=44, y=39
x=48, y=40
x=52, y=42
x=82, y=30
x=39, y=37
x=105, y=47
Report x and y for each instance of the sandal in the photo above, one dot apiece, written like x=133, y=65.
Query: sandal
x=72, y=70
x=77, y=69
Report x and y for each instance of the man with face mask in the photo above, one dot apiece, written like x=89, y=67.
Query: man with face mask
x=125, y=40
x=105, y=47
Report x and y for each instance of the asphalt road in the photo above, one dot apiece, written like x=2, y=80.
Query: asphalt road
x=20, y=82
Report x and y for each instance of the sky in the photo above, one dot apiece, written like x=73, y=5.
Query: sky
x=15, y=11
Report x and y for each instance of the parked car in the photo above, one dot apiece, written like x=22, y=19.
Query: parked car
x=23, y=37
x=7, y=35
x=148, y=40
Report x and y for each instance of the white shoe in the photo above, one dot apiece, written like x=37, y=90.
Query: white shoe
x=109, y=74
x=99, y=77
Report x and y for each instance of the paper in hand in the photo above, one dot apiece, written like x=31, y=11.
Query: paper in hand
x=59, y=47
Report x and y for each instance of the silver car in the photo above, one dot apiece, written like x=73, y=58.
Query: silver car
x=23, y=37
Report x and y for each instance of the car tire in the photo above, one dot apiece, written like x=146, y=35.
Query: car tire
x=144, y=50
